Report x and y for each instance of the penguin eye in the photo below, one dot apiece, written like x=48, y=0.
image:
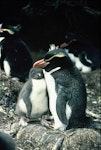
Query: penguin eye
x=39, y=74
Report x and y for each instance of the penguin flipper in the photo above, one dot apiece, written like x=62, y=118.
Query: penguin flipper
x=62, y=107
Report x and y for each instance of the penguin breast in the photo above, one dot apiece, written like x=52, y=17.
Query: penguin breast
x=51, y=91
x=38, y=98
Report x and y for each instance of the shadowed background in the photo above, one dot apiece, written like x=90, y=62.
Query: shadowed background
x=44, y=22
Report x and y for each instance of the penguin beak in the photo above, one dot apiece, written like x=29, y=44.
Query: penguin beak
x=40, y=64
x=64, y=45
x=43, y=63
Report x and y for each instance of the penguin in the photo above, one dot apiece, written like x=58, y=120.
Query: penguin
x=66, y=89
x=7, y=142
x=82, y=52
x=33, y=99
x=80, y=61
x=15, y=55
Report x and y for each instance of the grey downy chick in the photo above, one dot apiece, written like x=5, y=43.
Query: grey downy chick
x=32, y=100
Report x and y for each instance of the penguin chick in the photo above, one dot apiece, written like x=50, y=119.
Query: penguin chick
x=7, y=142
x=32, y=100
x=66, y=89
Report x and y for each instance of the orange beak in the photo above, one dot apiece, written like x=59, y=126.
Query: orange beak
x=64, y=45
x=40, y=64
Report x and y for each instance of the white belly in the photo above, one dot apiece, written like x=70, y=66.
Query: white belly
x=1, y=38
x=0, y=51
x=38, y=98
x=21, y=106
x=82, y=67
x=7, y=68
x=79, y=64
x=52, y=100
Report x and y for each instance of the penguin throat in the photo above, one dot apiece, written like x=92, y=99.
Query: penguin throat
x=54, y=70
x=2, y=38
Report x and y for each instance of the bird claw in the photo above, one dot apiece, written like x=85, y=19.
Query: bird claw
x=47, y=123
x=23, y=122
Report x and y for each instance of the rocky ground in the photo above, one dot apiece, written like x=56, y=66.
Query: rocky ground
x=38, y=137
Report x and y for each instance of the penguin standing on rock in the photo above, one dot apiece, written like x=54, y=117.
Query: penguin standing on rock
x=33, y=99
x=66, y=89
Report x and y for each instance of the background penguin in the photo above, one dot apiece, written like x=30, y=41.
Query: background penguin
x=6, y=142
x=82, y=52
x=15, y=58
x=33, y=99
x=66, y=89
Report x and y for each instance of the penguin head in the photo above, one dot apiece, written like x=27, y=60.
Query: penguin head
x=55, y=58
x=54, y=54
x=9, y=30
x=36, y=73
x=72, y=42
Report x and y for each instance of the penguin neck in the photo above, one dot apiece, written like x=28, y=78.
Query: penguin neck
x=2, y=38
x=54, y=70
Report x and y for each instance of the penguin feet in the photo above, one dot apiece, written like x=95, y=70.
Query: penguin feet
x=23, y=122
x=61, y=127
x=52, y=125
x=47, y=123
x=58, y=125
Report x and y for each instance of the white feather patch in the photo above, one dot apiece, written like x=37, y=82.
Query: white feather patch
x=1, y=38
x=7, y=68
x=0, y=50
x=53, y=47
x=78, y=63
x=22, y=106
x=54, y=70
x=38, y=98
x=68, y=111
x=52, y=100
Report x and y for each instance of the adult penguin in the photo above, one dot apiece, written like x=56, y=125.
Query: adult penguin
x=66, y=89
x=83, y=53
x=15, y=56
